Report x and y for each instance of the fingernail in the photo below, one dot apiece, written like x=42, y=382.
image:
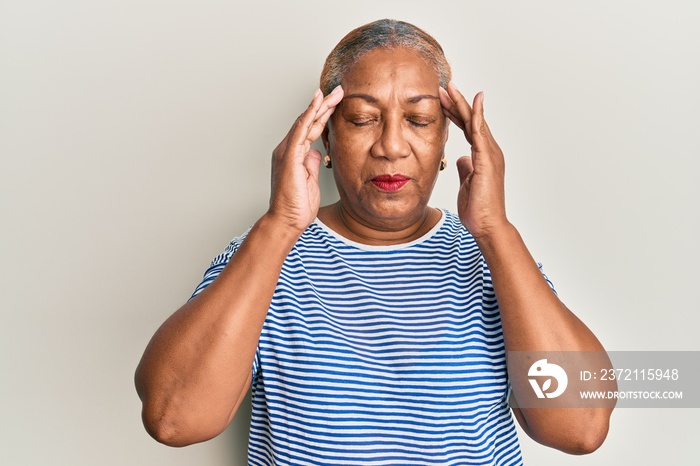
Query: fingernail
x=316, y=94
x=337, y=89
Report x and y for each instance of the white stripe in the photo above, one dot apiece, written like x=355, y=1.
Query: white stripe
x=381, y=355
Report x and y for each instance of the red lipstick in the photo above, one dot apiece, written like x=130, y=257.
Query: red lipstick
x=390, y=183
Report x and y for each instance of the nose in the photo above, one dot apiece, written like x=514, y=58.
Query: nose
x=391, y=143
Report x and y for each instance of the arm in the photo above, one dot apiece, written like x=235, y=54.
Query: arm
x=198, y=366
x=534, y=319
x=532, y=316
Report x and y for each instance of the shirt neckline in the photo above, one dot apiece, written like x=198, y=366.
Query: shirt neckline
x=390, y=247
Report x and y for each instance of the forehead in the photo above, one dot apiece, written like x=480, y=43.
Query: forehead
x=381, y=70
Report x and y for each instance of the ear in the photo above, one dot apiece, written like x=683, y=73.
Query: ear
x=324, y=137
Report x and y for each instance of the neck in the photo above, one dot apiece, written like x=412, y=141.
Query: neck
x=378, y=232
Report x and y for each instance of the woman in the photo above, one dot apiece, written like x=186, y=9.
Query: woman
x=373, y=330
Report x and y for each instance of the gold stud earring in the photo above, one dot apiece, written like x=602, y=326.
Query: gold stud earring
x=327, y=161
x=443, y=164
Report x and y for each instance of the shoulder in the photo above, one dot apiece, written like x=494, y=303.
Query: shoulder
x=451, y=226
x=230, y=250
x=452, y=222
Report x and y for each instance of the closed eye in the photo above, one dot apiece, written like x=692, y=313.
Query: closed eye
x=418, y=124
x=363, y=122
x=420, y=121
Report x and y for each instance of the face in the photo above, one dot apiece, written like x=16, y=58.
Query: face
x=387, y=137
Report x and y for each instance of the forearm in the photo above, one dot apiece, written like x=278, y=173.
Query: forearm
x=196, y=369
x=534, y=319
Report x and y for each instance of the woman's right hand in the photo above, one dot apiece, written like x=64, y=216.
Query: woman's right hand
x=196, y=370
x=296, y=196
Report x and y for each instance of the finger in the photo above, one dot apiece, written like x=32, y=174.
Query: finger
x=318, y=125
x=480, y=129
x=332, y=99
x=319, y=108
x=281, y=148
x=465, y=167
x=304, y=120
x=329, y=102
x=449, y=108
x=454, y=119
x=296, y=134
x=324, y=113
x=462, y=109
x=300, y=129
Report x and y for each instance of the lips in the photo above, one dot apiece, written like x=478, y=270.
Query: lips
x=390, y=183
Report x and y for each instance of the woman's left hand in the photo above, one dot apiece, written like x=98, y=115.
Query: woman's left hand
x=481, y=198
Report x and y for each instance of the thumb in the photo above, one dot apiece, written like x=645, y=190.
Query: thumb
x=312, y=163
x=464, y=167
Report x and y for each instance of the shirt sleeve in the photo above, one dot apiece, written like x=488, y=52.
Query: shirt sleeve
x=215, y=268
x=551, y=285
x=218, y=264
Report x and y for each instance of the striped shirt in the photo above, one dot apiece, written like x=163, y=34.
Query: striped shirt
x=381, y=355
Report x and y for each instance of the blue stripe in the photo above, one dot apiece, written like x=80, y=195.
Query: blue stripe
x=381, y=355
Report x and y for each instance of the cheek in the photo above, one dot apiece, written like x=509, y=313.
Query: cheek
x=345, y=152
x=430, y=144
x=349, y=137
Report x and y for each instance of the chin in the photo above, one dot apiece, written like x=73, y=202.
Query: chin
x=395, y=210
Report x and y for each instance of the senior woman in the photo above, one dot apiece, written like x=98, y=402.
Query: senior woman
x=374, y=330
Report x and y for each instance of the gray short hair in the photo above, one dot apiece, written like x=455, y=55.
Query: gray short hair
x=383, y=33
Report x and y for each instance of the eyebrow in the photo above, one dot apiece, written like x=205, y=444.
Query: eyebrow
x=418, y=98
x=411, y=100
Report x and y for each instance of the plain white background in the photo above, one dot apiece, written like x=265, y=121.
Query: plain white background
x=135, y=139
